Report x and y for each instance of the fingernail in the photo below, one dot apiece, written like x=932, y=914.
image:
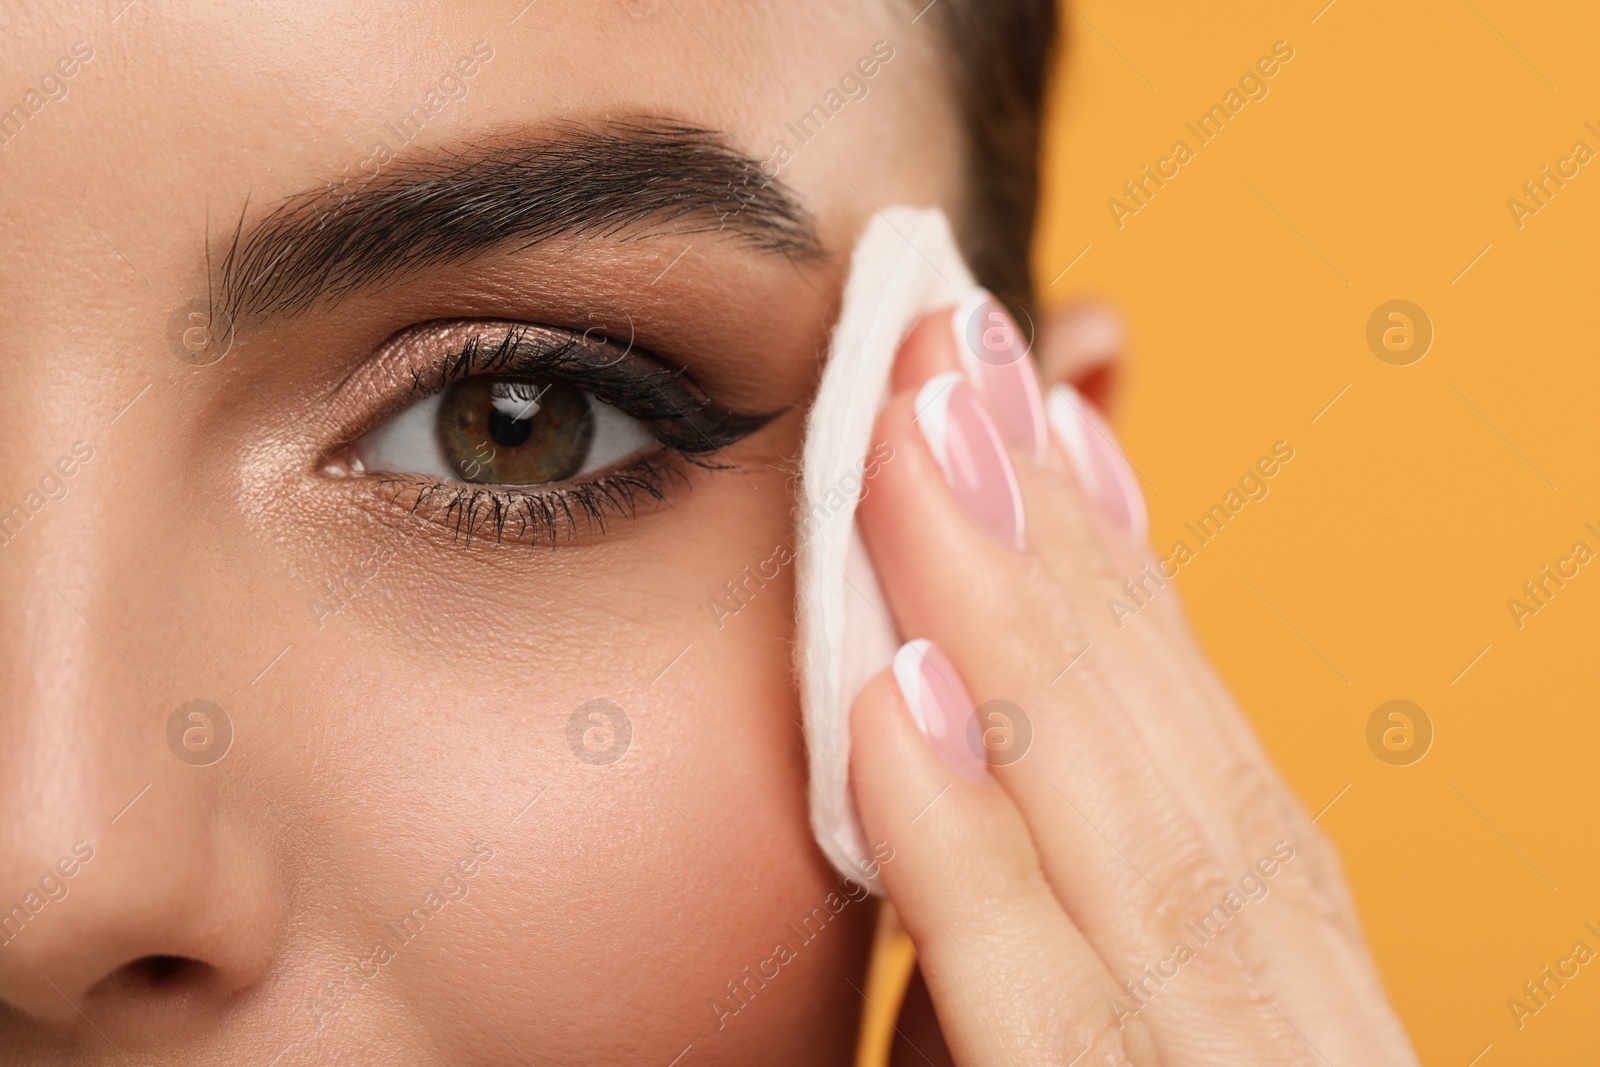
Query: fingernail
x=1102, y=468
x=969, y=452
x=994, y=354
x=939, y=703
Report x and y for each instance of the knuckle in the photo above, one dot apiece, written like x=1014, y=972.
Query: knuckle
x=1108, y=1039
x=1321, y=881
x=1006, y=882
x=1194, y=894
x=1261, y=812
x=1271, y=825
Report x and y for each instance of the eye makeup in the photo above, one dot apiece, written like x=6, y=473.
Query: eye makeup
x=532, y=433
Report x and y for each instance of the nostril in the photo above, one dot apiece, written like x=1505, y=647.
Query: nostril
x=159, y=975
x=157, y=970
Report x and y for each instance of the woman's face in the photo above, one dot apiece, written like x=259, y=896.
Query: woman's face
x=397, y=829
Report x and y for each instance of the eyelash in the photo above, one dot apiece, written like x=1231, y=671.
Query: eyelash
x=546, y=515
x=689, y=425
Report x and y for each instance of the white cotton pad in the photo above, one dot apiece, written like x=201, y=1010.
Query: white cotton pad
x=905, y=265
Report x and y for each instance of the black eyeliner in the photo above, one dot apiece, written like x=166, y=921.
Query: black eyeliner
x=680, y=416
x=692, y=428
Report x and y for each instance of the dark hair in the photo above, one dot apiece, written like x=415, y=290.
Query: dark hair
x=1000, y=58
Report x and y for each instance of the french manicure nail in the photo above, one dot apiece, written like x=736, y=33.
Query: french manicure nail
x=971, y=456
x=940, y=705
x=1106, y=475
x=994, y=354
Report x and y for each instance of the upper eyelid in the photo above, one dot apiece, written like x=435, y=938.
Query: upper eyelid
x=523, y=348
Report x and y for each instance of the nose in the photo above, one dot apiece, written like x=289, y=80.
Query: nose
x=136, y=893
x=153, y=917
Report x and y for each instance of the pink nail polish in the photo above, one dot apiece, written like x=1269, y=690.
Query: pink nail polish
x=1106, y=475
x=969, y=452
x=939, y=703
x=994, y=354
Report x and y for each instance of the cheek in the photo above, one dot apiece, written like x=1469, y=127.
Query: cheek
x=643, y=858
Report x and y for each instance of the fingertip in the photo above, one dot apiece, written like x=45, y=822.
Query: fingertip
x=894, y=487
x=894, y=769
x=929, y=349
x=1103, y=469
x=885, y=752
x=939, y=703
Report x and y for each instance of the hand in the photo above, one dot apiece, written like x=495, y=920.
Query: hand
x=1135, y=884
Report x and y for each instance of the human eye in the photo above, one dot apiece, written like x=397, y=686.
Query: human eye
x=510, y=430
x=538, y=432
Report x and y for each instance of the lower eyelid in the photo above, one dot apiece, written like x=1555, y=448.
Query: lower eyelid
x=558, y=514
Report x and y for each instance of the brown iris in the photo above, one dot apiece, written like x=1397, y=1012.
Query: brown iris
x=515, y=431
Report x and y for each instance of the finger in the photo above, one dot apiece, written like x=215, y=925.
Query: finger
x=1213, y=746
x=1096, y=563
x=1121, y=850
x=1198, y=740
x=1141, y=641
x=1012, y=980
x=1079, y=350
x=1103, y=470
x=1129, y=626
x=1195, y=733
x=980, y=340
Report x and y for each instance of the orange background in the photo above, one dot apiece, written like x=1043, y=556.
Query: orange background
x=1378, y=167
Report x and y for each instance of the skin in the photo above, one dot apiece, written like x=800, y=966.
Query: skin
x=424, y=717
x=414, y=748
x=1048, y=899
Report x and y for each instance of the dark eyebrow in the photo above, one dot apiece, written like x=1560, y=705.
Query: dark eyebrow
x=630, y=179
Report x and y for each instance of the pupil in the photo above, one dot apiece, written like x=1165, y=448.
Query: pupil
x=508, y=431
